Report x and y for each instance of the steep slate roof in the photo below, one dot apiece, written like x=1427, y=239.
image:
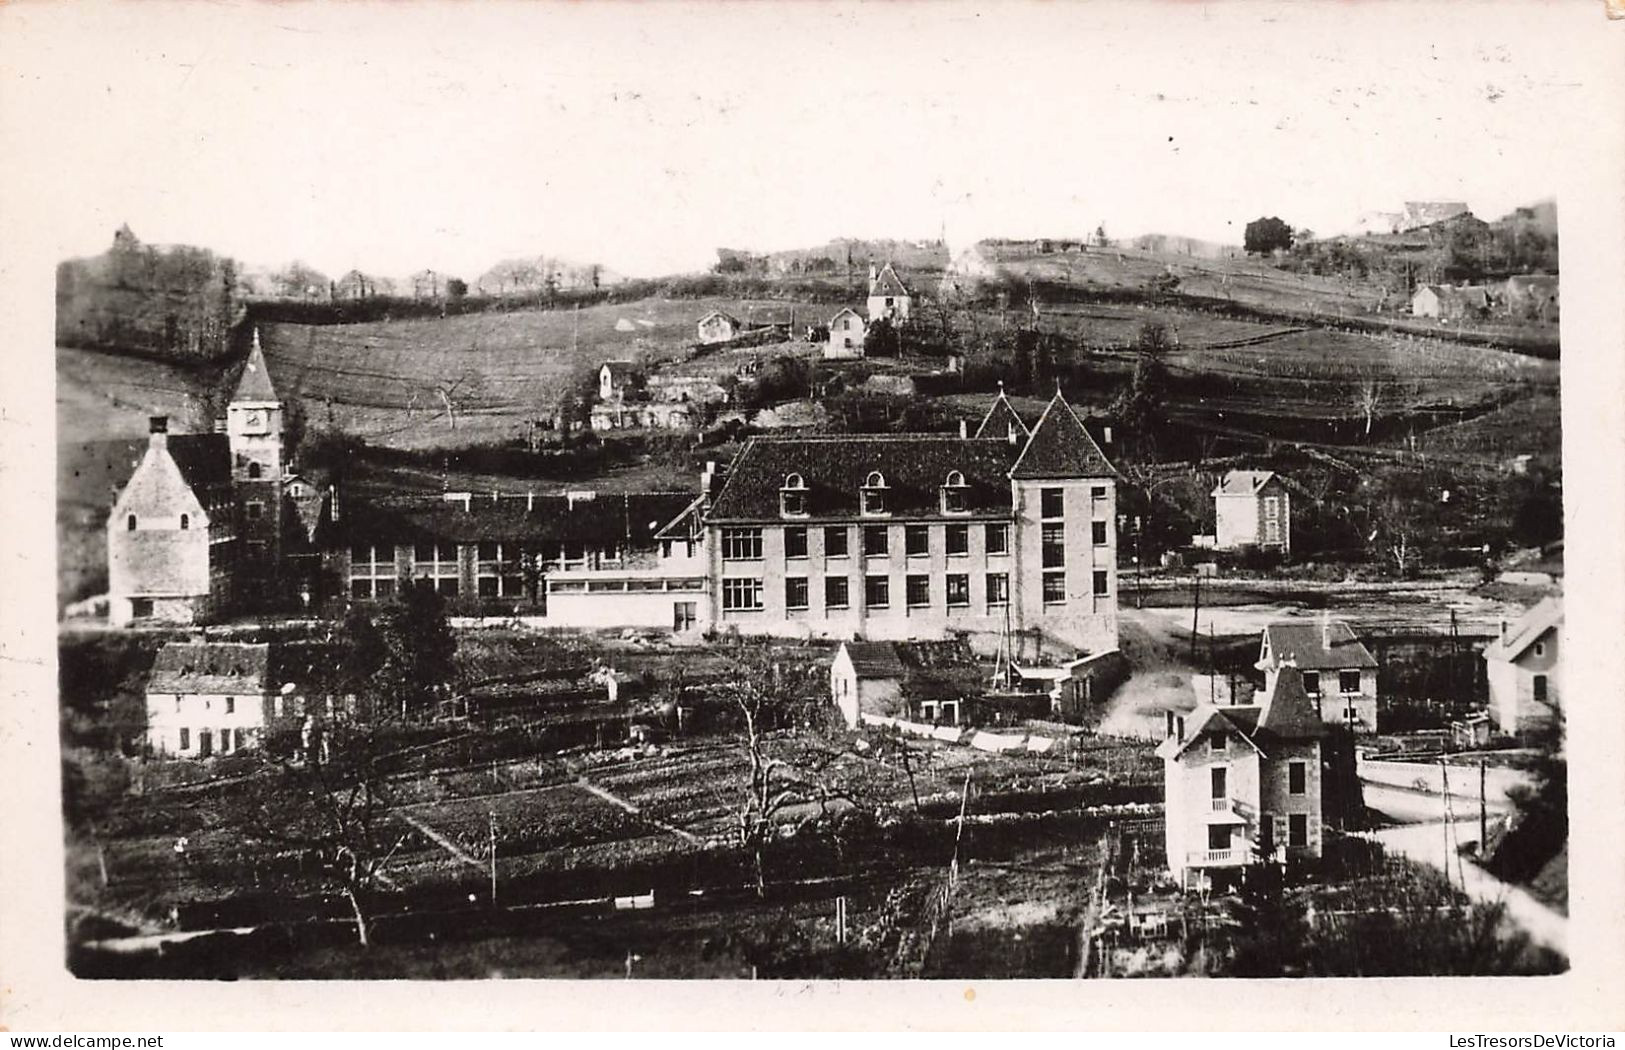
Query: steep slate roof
x=874, y=659
x=730, y=318
x=255, y=382
x=844, y=310
x=631, y=518
x=204, y=459
x=1287, y=712
x=1243, y=482
x=835, y=468
x=1305, y=643
x=887, y=282
x=211, y=667
x=1061, y=448
x=1528, y=630
x=1208, y=718
x=1001, y=416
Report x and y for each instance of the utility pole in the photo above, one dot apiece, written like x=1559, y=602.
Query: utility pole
x=1483, y=811
x=493, y=857
x=1196, y=612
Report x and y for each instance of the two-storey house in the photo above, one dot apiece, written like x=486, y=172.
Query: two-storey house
x=207, y=699
x=1242, y=784
x=1339, y=673
x=918, y=536
x=1523, y=665
x=887, y=296
x=1253, y=508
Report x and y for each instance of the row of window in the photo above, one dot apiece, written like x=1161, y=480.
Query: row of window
x=745, y=543
x=744, y=594
x=953, y=495
x=1347, y=682
x=229, y=740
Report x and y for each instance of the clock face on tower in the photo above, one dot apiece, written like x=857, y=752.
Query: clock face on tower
x=255, y=419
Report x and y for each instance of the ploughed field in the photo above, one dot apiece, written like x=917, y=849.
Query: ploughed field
x=572, y=833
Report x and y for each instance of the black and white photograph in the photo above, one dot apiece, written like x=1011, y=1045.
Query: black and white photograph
x=791, y=493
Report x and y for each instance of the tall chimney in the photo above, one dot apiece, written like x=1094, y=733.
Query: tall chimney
x=964, y=431
x=1107, y=434
x=1179, y=727
x=1010, y=434
x=530, y=501
x=1503, y=629
x=1170, y=717
x=157, y=431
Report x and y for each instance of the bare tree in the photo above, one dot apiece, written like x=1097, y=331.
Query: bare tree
x=1369, y=399
x=782, y=773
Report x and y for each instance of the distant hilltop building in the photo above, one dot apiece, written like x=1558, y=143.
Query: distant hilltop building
x=888, y=297
x=1416, y=215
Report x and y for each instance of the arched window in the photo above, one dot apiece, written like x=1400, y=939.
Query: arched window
x=129, y=523
x=953, y=493
x=793, y=496
x=874, y=493
x=186, y=522
x=253, y=470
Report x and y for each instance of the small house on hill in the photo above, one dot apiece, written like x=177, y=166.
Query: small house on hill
x=846, y=332
x=1253, y=508
x=1524, y=669
x=718, y=327
x=887, y=296
x=1337, y=671
x=617, y=380
x=867, y=678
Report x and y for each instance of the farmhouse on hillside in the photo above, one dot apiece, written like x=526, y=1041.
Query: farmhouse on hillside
x=846, y=332
x=887, y=296
x=1450, y=303
x=200, y=527
x=1253, y=508
x=1524, y=668
x=1242, y=784
x=1336, y=670
x=718, y=327
x=919, y=536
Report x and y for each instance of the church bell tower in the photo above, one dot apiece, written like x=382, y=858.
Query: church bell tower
x=254, y=429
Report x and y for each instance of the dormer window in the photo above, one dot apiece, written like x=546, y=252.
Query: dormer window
x=954, y=493
x=874, y=493
x=793, y=497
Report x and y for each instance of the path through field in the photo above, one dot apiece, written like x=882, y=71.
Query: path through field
x=607, y=796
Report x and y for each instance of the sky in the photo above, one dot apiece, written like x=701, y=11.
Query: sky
x=646, y=135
